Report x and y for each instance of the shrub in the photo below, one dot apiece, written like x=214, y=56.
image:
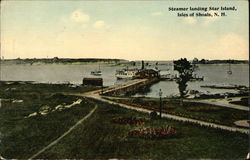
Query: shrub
x=153, y=115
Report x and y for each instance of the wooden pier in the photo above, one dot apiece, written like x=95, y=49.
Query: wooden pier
x=128, y=87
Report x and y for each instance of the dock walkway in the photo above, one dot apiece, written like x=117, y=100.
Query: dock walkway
x=123, y=85
x=127, y=87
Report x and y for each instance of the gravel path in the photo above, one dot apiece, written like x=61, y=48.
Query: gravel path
x=96, y=96
x=219, y=102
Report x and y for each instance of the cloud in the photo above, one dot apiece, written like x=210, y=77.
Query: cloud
x=74, y=21
x=190, y=20
x=100, y=24
x=79, y=16
x=156, y=13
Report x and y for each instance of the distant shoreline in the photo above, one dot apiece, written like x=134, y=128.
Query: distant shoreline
x=80, y=61
x=57, y=60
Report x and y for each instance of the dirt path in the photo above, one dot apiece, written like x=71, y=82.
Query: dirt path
x=220, y=102
x=64, y=134
x=95, y=95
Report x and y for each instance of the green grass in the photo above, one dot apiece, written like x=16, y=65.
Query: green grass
x=207, y=112
x=16, y=89
x=100, y=138
x=20, y=136
x=23, y=136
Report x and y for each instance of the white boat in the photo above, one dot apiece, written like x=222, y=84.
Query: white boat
x=96, y=72
x=126, y=73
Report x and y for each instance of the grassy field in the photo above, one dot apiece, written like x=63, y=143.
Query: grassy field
x=100, y=138
x=17, y=89
x=21, y=136
x=200, y=111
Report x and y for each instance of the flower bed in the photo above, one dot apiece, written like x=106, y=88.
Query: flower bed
x=130, y=121
x=151, y=133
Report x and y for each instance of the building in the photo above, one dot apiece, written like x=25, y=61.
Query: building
x=92, y=81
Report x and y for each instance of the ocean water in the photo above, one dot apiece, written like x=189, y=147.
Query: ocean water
x=72, y=73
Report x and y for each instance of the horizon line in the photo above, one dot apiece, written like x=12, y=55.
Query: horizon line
x=119, y=59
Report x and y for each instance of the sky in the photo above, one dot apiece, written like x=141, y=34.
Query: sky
x=132, y=30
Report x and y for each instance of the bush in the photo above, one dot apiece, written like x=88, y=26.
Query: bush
x=153, y=115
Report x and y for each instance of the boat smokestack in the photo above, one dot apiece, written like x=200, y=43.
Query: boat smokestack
x=142, y=65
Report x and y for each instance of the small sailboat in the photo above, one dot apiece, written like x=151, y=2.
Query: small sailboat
x=229, y=69
x=96, y=72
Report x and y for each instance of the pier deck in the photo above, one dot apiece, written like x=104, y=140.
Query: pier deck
x=130, y=86
x=123, y=85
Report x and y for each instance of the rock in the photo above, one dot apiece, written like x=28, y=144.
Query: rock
x=44, y=110
x=17, y=101
x=59, y=107
x=31, y=115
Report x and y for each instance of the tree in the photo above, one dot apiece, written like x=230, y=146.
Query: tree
x=133, y=63
x=185, y=70
x=195, y=60
x=203, y=61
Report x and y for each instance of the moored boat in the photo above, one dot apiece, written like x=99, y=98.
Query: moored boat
x=126, y=73
x=96, y=72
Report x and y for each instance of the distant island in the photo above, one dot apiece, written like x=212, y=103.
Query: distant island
x=61, y=60
x=57, y=60
x=231, y=61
